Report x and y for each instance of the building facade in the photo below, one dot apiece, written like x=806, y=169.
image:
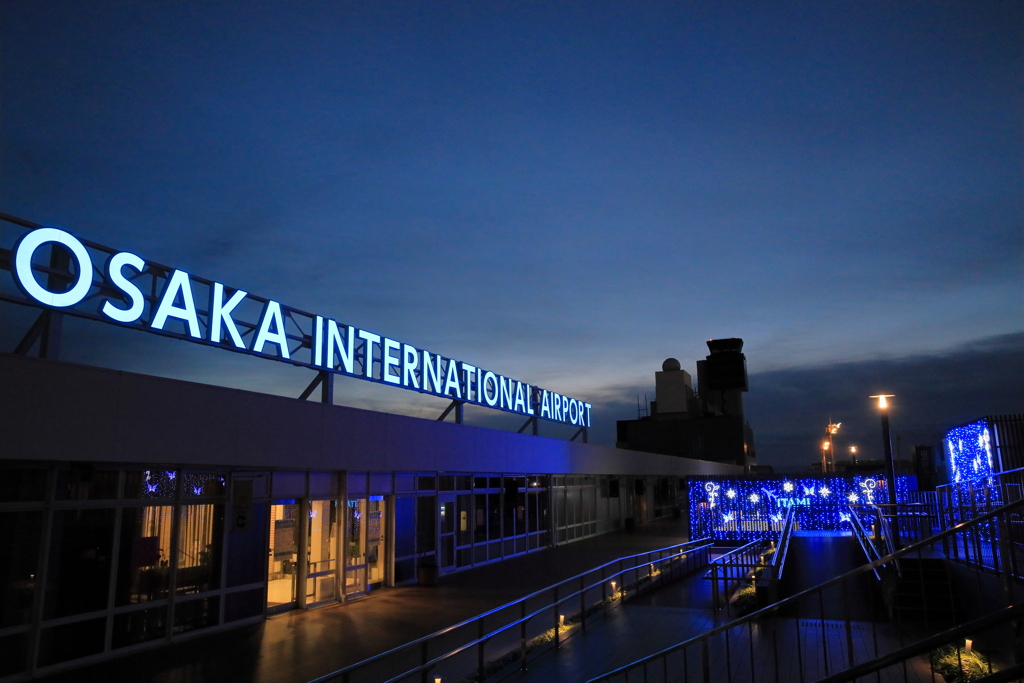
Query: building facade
x=705, y=424
x=137, y=510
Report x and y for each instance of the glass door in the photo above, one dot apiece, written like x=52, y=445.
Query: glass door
x=365, y=562
x=321, y=550
x=446, y=532
x=283, y=560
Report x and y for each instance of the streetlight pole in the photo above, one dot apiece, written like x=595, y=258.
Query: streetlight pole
x=890, y=466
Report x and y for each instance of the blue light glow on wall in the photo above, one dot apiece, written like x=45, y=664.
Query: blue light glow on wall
x=969, y=452
x=728, y=509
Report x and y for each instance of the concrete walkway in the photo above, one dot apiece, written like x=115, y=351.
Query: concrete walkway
x=301, y=645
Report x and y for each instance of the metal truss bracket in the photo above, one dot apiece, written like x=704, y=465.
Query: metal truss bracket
x=325, y=380
x=581, y=430
x=457, y=407
x=46, y=329
x=532, y=421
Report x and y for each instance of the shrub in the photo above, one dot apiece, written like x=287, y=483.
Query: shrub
x=972, y=666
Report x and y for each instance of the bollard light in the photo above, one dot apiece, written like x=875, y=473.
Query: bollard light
x=969, y=643
x=561, y=620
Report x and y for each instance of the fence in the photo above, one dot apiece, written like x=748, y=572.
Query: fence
x=843, y=623
x=497, y=639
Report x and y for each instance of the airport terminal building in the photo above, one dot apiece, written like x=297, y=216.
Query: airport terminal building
x=137, y=510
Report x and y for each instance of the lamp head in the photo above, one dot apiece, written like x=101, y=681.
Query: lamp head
x=882, y=403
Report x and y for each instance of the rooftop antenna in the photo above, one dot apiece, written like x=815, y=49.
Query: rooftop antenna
x=641, y=412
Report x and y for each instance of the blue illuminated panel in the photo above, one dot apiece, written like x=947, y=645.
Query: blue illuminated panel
x=754, y=509
x=969, y=452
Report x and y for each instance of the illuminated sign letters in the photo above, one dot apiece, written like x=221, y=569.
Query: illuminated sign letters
x=202, y=311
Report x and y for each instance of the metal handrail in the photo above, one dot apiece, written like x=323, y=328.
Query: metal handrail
x=971, y=480
x=782, y=548
x=915, y=547
x=920, y=647
x=674, y=553
x=870, y=551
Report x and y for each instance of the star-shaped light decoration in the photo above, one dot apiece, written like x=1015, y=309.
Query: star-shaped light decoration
x=824, y=491
x=731, y=493
x=754, y=498
x=853, y=498
x=787, y=487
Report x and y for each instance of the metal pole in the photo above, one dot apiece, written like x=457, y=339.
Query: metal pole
x=890, y=477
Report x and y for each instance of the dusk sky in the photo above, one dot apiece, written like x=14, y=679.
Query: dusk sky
x=568, y=193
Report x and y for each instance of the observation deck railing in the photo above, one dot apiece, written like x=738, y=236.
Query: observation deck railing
x=760, y=561
x=496, y=639
x=823, y=631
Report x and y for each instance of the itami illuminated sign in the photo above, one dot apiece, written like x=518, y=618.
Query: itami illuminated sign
x=125, y=289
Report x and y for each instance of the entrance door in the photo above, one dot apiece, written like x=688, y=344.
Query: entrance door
x=446, y=532
x=283, y=560
x=365, y=561
x=321, y=552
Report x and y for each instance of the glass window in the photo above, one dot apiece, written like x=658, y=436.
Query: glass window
x=493, y=516
x=85, y=483
x=480, y=518
x=150, y=483
x=19, y=485
x=356, y=484
x=200, y=545
x=375, y=518
x=446, y=482
x=380, y=483
x=289, y=484
x=282, y=567
x=144, y=561
x=321, y=545
x=203, y=485
x=139, y=626
x=19, y=565
x=426, y=524
x=196, y=614
x=13, y=654
x=71, y=641
x=243, y=605
x=78, y=578
x=463, y=483
x=323, y=484
x=426, y=483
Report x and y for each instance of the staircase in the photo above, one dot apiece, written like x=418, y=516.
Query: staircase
x=922, y=592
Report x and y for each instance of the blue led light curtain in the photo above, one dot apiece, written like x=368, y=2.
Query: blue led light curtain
x=728, y=509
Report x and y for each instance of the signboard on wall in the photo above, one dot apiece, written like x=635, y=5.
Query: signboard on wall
x=56, y=270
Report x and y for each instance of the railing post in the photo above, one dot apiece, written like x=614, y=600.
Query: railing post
x=1004, y=550
x=480, y=649
x=424, y=658
x=522, y=634
x=554, y=613
x=583, y=603
x=714, y=586
x=604, y=586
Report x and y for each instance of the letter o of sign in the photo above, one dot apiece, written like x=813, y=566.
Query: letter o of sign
x=23, y=253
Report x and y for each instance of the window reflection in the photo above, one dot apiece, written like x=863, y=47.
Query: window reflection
x=282, y=563
x=78, y=578
x=150, y=483
x=144, y=563
x=200, y=540
x=19, y=554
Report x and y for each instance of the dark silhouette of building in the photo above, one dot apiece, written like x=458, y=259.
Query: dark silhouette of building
x=704, y=424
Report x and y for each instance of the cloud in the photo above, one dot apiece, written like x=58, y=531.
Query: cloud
x=788, y=409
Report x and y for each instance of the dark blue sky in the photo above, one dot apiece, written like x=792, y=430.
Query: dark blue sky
x=565, y=192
